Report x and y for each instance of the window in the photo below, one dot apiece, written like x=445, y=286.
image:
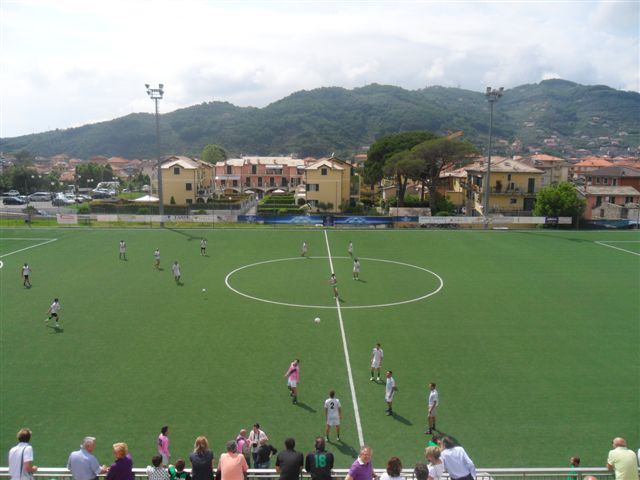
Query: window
x=513, y=201
x=254, y=169
x=628, y=199
x=508, y=177
x=247, y=182
x=614, y=182
x=272, y=182
x=259, y=181
x=598, y=180
x=189, y=201
x=605, y=181
x=223, y=183
x=228, y=169
x=189, y=186
x=235, y=183
x=323, y=171
x=313, y=187
x=176, y=170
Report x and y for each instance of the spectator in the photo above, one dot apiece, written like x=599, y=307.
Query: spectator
x=421, y=471
x=320, y=462
x=243, y=445
x=289, y=462
x=122, y=467
x=156, y=471
x=394, y=469
x=456, y=461
x=435, y=441
x=201, y=460
x=436, y=467
x=83, y=464
x=254, y=440
x=264, y=454
x=232, y=465
x=177, y=472
x=361, y=468
x=163, y=445
x=622, y=461
x=21, y=465
x=574, y=462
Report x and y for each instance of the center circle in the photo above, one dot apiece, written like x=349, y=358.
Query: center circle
x=439, y=281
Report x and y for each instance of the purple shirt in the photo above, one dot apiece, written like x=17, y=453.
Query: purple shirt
x=122, y=469
x=361, y=471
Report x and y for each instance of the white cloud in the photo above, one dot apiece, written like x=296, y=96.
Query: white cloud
x=66, y=62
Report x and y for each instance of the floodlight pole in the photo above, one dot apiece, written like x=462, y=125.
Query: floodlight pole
x=156, y=94
x=492, y=96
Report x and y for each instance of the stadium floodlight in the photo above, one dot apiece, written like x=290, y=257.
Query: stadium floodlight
x=156, y=94
x=492, y=96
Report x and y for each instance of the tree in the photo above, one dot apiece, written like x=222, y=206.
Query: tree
x=561, y=200
x=213, y=153
x=385, y=147
x=434, y=155
x=90, y=173
x=402, y=166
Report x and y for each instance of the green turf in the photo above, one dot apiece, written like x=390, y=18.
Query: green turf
x=533, y=340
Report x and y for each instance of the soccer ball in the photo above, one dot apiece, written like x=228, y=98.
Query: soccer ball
x=317, y=319
x=204, y=289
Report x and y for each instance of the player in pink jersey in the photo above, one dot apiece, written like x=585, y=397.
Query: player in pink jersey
x=293, y=377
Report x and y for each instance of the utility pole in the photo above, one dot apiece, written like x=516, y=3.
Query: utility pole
x=156, y=94
x=492, y=96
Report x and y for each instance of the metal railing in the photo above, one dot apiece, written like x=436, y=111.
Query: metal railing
x=340, y=473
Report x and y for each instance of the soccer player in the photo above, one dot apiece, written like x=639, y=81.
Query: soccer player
x=333, y=412
x=203, y=247
x=156, y=259
x=53, y=312
x=350, y=248
x=305, y=249
x=389, y=392
x=333, y=281
x=123, y=250
x=293, y=377
x=356, y=269
x=376, y=360
x=26, y=271
x=175, y=268
x=433, y=408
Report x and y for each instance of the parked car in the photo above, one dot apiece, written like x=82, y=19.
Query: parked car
x=100, y=194
x=83, y=198
x=15, y=200
x=62, y=201
x=12, y=193
x=40, y=197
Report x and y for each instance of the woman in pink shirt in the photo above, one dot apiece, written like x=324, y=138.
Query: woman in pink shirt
x=232, y=465
x=163, y=445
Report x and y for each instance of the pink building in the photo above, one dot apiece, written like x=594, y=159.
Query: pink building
x=259, y=175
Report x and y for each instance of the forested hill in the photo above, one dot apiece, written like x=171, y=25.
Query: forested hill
x=327, y=120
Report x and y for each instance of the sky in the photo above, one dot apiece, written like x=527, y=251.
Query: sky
x=68, y=63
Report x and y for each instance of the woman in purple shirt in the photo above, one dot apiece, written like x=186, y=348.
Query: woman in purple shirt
x=122, y=468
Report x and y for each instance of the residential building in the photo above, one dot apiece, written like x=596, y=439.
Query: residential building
x=602, y=201
x=328, y=181
x=186, y=180
x=616, y=176
x=452, y=186
x=514, y=185
x=589, y=164
x=554, y=169
x=259, y=175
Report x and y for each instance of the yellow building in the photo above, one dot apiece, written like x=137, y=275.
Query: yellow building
x=186, y=180
x=514, y=185
x=328, y=181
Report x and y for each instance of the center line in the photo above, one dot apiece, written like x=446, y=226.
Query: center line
x=356, y=411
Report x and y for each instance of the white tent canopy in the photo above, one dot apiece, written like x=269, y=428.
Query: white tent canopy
x=146, y=199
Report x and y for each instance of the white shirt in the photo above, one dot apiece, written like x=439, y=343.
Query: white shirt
x=18, y=456
x=26, y=270
x=391, y=383
x=157, y=254
x=255, y=438
x=203, y=244
x=386, y=476
x=304, y=246
x=376, y=356
x=433, y=397
x=55, y=307
x=123, y=246
x=436, y=471
x=356, y=266
x=457, y=462
x=350, y=248
x=176, y=269
x=332, y=406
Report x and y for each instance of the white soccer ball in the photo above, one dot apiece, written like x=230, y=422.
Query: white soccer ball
x=204, y=289
x=317, y=319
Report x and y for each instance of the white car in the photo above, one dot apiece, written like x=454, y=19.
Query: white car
x=40, y=197
x=12, y=193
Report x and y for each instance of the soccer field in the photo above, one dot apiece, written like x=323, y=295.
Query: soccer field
x=532, y=338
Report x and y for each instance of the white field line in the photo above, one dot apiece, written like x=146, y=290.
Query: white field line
x=602, y=242
x=356, y=411
x=27, y=248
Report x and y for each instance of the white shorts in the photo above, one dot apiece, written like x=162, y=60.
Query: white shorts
x=292, y=383
x=375, y=364
x=333, y=421
x=388, y=397
x=432, y=413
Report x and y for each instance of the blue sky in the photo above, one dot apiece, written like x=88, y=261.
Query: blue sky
x=68, y=63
